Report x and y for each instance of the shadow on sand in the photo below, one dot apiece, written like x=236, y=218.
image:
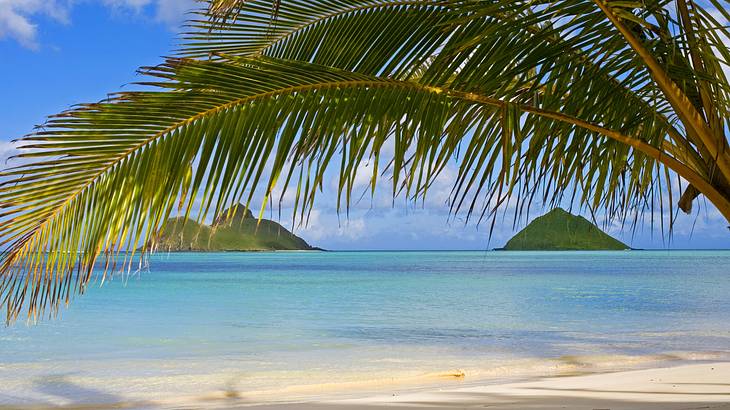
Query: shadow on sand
x=63, y=389
x=84, y=398
x=539, y=398
x=62, y=392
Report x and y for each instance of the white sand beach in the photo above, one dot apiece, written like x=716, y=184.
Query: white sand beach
x=683, y=387
x=695, y=386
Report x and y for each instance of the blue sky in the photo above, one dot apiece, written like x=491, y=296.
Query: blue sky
x=54, y=54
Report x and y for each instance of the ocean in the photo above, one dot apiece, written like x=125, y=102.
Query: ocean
x=205, y=328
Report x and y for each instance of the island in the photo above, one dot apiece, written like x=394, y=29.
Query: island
x=559, y=230
x=234, y=230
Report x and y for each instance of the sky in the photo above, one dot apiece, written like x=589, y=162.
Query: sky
x=57, y=53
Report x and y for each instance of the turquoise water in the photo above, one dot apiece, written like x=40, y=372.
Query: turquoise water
x=277, y=324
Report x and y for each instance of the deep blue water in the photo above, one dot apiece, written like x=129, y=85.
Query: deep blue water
x=265, y=321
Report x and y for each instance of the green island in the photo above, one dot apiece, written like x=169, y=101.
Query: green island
x=234, y=230
x=559, y=230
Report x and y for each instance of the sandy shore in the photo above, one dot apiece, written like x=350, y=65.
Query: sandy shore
x=686, y=387
x=696, y=386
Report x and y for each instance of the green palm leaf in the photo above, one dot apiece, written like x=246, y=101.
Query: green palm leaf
x=593, y=103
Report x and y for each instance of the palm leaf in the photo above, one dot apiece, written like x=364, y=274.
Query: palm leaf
x=594, y=104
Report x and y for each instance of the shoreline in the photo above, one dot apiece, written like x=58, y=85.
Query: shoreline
x=645, y=385
x=678, y=387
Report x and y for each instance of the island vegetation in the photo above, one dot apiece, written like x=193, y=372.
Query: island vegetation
x=559, y=230
x=234, y=230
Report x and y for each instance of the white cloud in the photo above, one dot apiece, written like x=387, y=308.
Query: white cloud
x=134, y=4
x=169, y=12
x=326, y=226
x=172, y=12
x=18, y=18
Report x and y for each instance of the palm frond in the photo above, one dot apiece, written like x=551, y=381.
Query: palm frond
x=378, y=37
x=108, y=175
x=594, y=103
x=449, y=33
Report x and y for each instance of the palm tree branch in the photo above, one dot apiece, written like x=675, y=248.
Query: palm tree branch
x=581, y=57
x=212, y=107
x=679, y=100
x=203, y=114
x=693, y=47
x=578, y=55
x=648, y=149
x=284, y=35
x=652, y=151
x=533, y=29
x=358, y=28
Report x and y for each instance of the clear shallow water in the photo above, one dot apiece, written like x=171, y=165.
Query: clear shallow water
x=269, y=324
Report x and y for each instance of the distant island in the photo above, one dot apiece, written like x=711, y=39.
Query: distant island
x=230, y=232
x=559, y=230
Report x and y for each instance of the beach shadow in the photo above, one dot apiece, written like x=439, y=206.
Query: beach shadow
x=61, y=386
x=677, y=393
x=7, y=398
x=533, y=397
x=702, y=384
x=470, y=400
x=78, y=397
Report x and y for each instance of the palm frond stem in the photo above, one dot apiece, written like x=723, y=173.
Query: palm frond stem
x=685, y=109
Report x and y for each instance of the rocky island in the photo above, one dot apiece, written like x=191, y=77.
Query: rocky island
x=231, y=231
x=559, y=230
